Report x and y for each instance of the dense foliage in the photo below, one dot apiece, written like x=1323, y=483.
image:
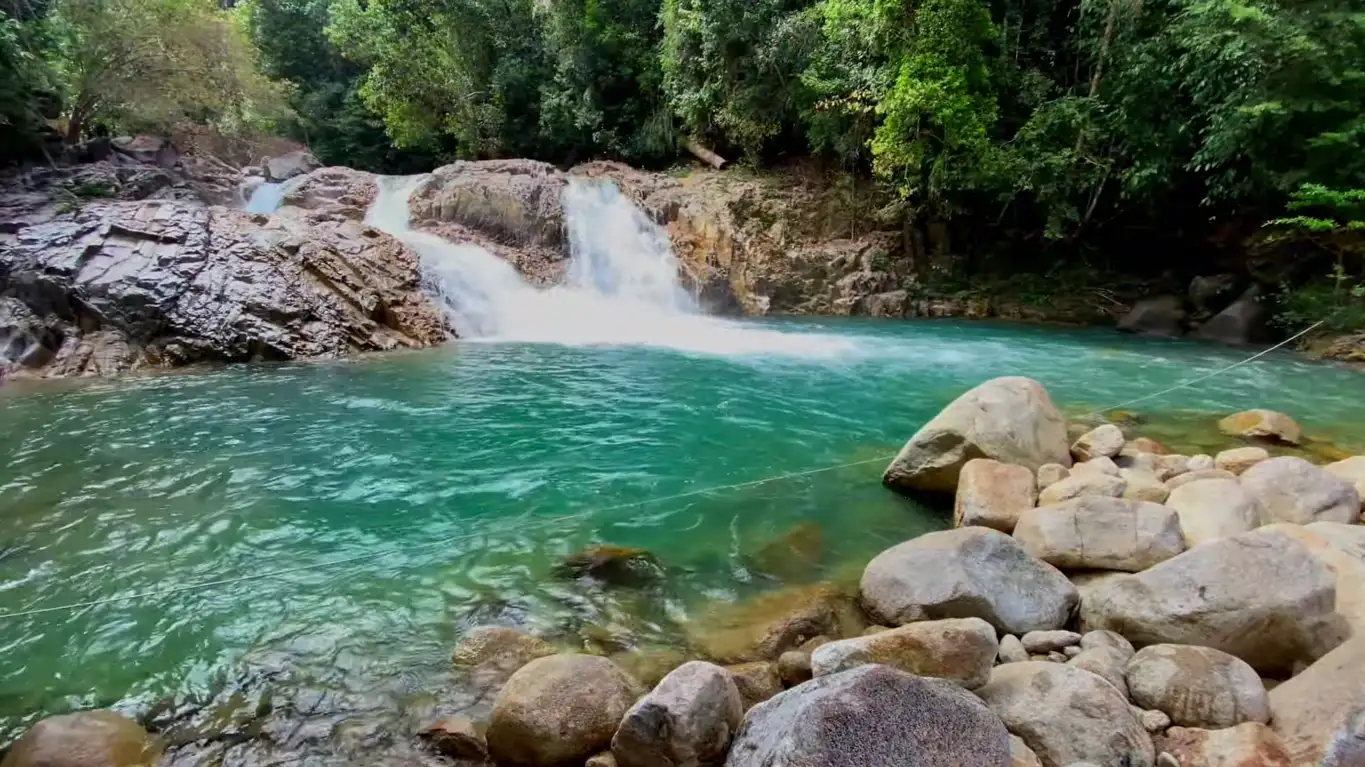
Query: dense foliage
x=1135, y=132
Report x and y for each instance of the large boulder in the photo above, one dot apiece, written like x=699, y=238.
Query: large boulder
x=516, y=202
x=84, y=739
x=871, y=716
x=1260, y=596
x=1067, y=715
x=1103, y=441
x=1342, y=549
x=971, y=572
x=289, y=165
x=1011, y=420
x=1267, y=425
x=1243, y=322
x=1100, y=533
x=1159, y=316
x=1080, y=484
x=1290, y=489
x=1197, y=686
x=1352, y=470
x=1210, y=509
x=960, y=650
x=1250, y=744
x=686, y=721
x=1143, y=486
x=992, y=494
x=1317, y=706
x=559, y=709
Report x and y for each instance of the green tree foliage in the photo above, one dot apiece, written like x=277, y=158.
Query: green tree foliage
x=26, y=82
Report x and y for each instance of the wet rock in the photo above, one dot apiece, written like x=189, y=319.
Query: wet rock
x=1259, y=596
x=1320, y=706
x=1067, y=715
x=559, y=709
x=1106, y=662
x=1267, y=425
x=686, y=721
x=336, y=192
x=960, y=650
x=289, y=165
x=1197, y=686
x=1051, y=474
x=1082, y=483
x=1104, y=441
x=793, y=555
x=491, y=654
x=1011, y=420
x=992, y=494
x=1210, y=509
x=649, y=665
x=1352, y=470
x=1144, y=486
x=1160, y=316
x=971, y=572
x=1290, y=489
x=616, y=565
x=84, y=739
x=1048, y=641
x=1100, y=533
x=1247, y=745
x=1242, y=323
x=1011, y=650
x=1239, y=459
x=773, y=623
x=456, y=737
x=1181, y=480
x=516, y=202
x=871, y=715
x=757, y=682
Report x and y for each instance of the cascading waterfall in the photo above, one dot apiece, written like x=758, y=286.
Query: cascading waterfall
x=621, y=286
x=266, y=197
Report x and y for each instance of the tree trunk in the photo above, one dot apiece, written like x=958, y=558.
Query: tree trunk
x=704, y=154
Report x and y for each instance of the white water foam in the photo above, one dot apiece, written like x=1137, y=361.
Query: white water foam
x=621, y=287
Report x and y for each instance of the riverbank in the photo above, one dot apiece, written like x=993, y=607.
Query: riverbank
x=775, y=639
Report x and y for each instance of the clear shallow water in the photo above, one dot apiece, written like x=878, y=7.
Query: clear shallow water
x=454, y=470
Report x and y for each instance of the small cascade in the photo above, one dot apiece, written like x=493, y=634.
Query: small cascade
x=265, y=198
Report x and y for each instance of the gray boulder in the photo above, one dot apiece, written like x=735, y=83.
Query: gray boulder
x=1197, y=686
x=1067, y=715
x=1260, y=596
x=289, y=165
x=1107, y=662
x=971, y=572
x=1101, y=533
x=960, y=650
x=1352, y=470
x=1210, y=509
x=1243, y=322
x=1160, y=316
x=686, y=721
x=559, y=709
x=1011, y=420
x=1290, y=489
x=871, y=716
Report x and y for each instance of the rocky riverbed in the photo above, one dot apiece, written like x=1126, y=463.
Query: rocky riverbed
x=1100, y=600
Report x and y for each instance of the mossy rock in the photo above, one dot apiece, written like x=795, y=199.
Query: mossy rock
x=608, y=563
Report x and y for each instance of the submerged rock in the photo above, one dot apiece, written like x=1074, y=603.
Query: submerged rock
x=971, y=572
x=457, y=737
x=84, y=739
x=871, y=715
x=1011, y=420
x=756, y=682
x=617, y=565
x=1267, y=425
x=686, y=721
x=559, y=709
x=773, y=623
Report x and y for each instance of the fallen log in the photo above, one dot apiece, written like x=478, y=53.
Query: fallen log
x=704, y=154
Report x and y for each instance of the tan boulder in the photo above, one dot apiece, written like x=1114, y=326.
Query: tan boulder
x=1239, y=459
x=1265, y=425
x=1290, y=489
x=1021, y=755
x=1146, y=445
x=1352, y=470
x=1261, y=596
x=1082, y=483
x=1144, y=486
x=1169, y=466
x=1051, y=473
x=1011, y=420
x=1067, y=715
x=757, y=681
x=1105, y=440
x=1342, y=549
x=1213, y=508
x=960, y=650
x=84, y=739
x=992, y=494
x=1196, y=686
x=1198, y=476
x=1100, y=533
x=1251, y=744
x=559, y=709
x=686, y=721
x=487, y=656
x=1106, y=662
x=1315, y=707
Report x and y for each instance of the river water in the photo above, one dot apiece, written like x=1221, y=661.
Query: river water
x=385, y=504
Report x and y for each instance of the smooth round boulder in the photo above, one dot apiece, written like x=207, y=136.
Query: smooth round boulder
x=1105, y=661
x=960, y=650
x=992, y=494
x=1352, y=470
x=1201, y=462
x=84, y=739
x=1011, y=650
x=1105, y=440
x=1251, y=744
x=686, y=721
x=1197, y=686
x=1290, y=489
x=971, y=572
x=1239, y=459
x=1100, y=533
x=1265, y=425
x=559, y=709
x=1067, y=715
x=1210, y=509
x=871, y=716
x=1011, y=420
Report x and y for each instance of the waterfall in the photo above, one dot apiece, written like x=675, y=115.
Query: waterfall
x=265, y=198
x=621, y=286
